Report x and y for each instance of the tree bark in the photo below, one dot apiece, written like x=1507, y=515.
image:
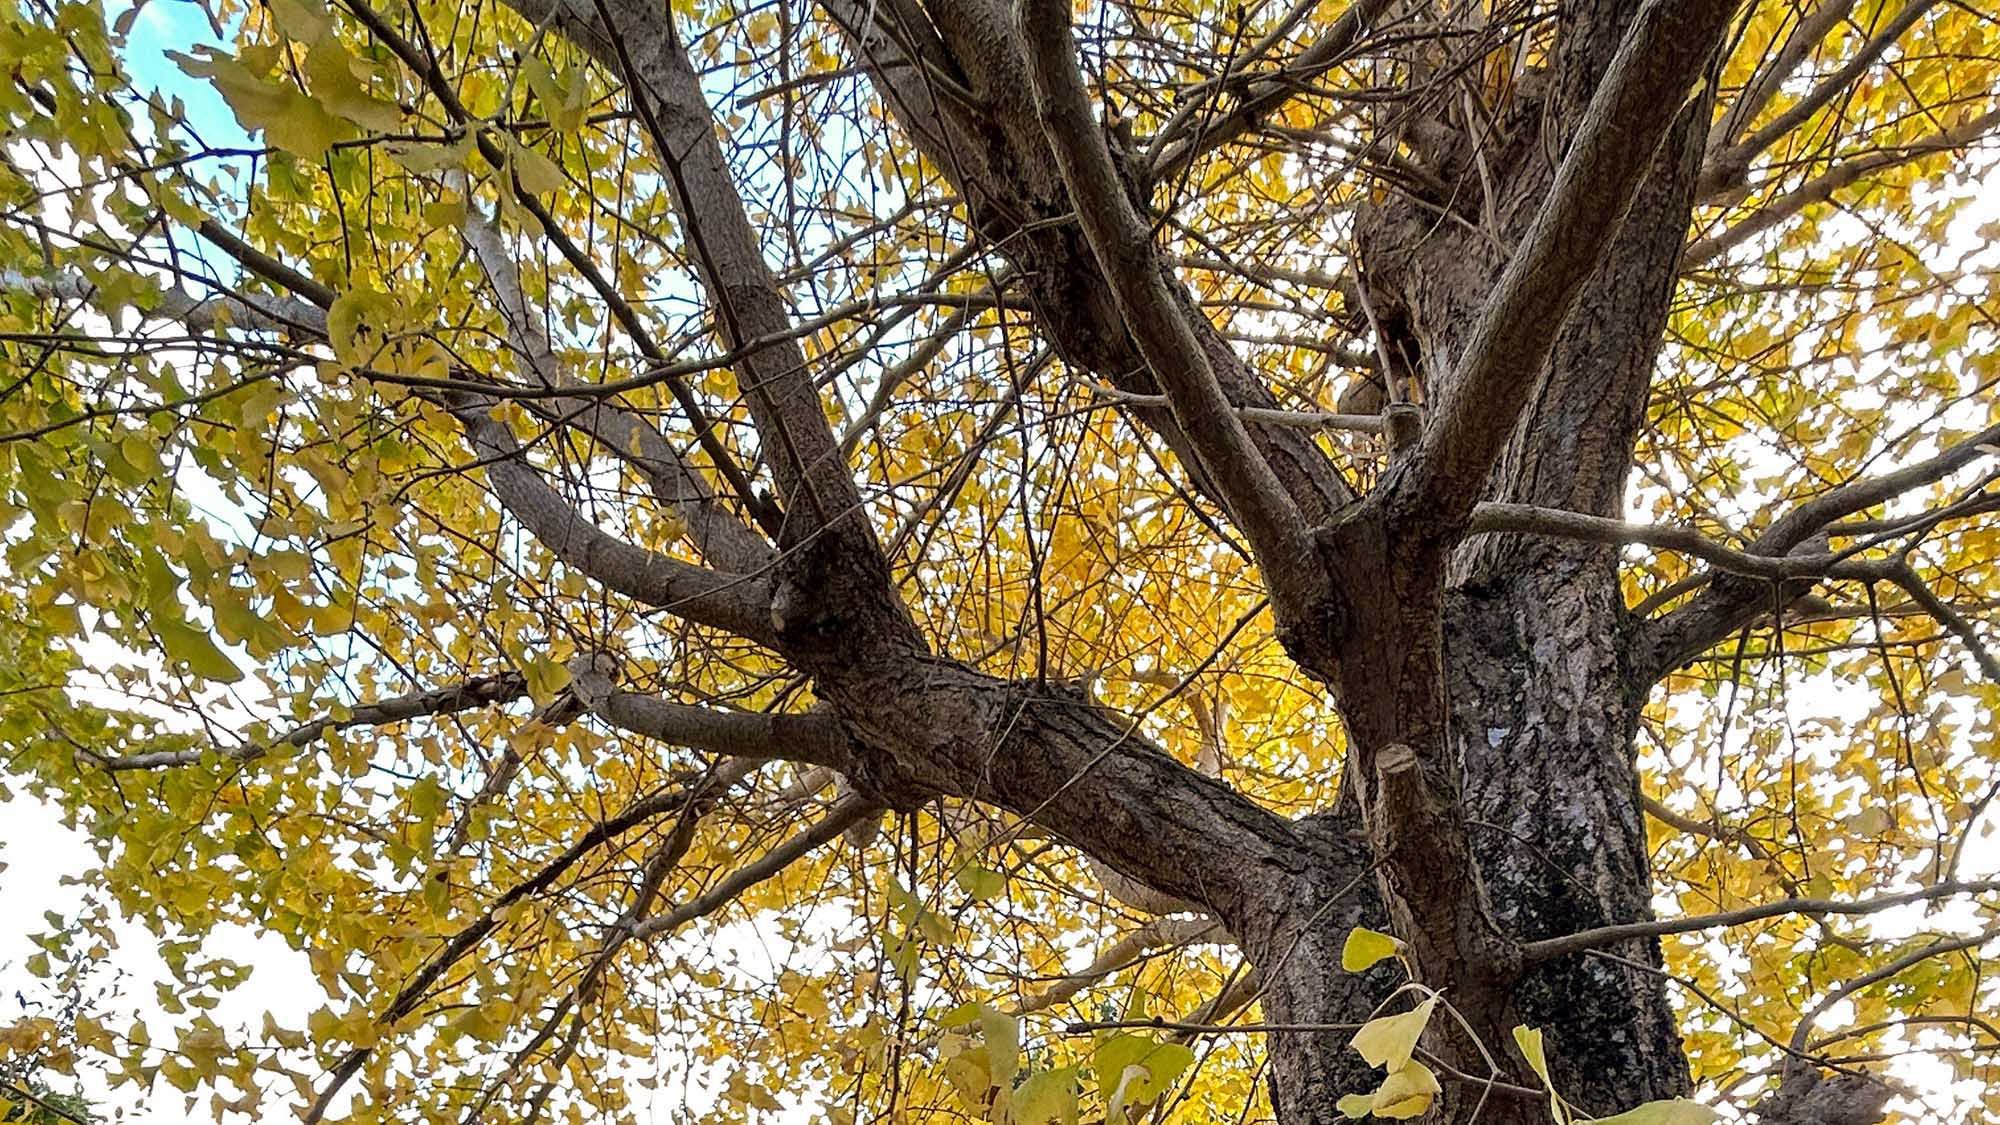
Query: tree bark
x=1491, y=795
x=1543, y=704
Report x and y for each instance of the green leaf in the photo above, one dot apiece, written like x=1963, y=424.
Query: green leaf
x=982, y=883
x=289, y=118
x=302, y=21
x=336, y=85
x=1365, y=947
x=1002, y=1035
x=192, y=647
x=427, y=798
x=1048, y=1098
x=1133, y=1070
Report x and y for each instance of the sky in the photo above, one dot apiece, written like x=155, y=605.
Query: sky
x=39, y=856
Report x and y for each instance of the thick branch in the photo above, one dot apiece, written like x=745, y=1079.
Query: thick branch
x=724, y=540
x=814, y=739
x=738, y=603
x=1821, y=188
x=1727, y=601
x=988, y=142
x=253, y=311
x=1526, y=519
x=1123, y=245
x=637, y=42
x=1664, y=53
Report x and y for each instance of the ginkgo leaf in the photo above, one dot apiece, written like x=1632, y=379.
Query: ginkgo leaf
x=563, y=98
x=287, y=116
x=1674, y=1111
x=1356, y=1106
x=424, y=158
x=1388, y=1041
x=1530, y=1042
x=1365, y=947
x=304, y=21
x=1132, y=1070
x=1046, y=1098
x=982, y=883
x=357, y=324
x=204, y=1046
x=968, y=1070
x=1871, y=821
x=192, y=647
x=1406, y=1092
x=1002, y=1034
x=1533, y=1049
x=537, y=174
x=331, y=72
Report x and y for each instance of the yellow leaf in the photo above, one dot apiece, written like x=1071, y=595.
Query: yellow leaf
x=537, y=173
x=1675, y=1111
x=302, y=21
x=1365, y=947
x=357, y=325
x=205, y=1047
x=1406, y=1093
x=1003, y=1044
x=289, y=118
x=334, y=83
x=425, y=158
x=1529, y=1040
x=1388, y=1041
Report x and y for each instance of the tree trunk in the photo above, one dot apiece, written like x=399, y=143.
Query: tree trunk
x=1482, y=684
x=1543, y=706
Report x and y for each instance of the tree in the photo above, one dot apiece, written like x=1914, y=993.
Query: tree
x=1066, y=525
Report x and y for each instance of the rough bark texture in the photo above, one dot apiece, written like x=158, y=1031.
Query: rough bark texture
x=1490, y=795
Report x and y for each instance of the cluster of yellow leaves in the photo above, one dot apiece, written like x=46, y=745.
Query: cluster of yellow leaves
x=353, y=559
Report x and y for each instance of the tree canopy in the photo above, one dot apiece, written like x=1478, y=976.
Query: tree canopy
x=827, y=557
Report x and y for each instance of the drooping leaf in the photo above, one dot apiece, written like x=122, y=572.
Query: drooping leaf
x=289, y=118
x=1388, y=1041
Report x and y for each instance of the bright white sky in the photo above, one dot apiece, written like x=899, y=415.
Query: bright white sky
x=38, y=855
